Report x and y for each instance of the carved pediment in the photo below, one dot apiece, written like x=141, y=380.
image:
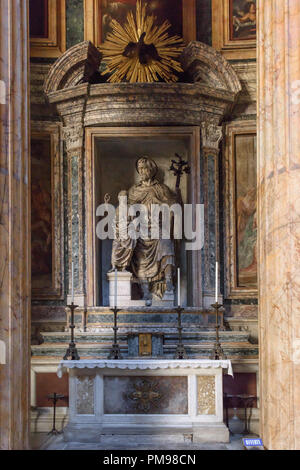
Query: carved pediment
x=202, y=63
x=207, y=95
x=207, y=66
x=74, y=67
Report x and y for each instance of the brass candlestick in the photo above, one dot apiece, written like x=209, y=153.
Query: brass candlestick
x=217, y=352
x=72, y=352
x=115, y=352
x=180, y=350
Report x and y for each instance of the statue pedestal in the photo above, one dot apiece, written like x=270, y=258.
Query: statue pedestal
x=123, y=288
x=124, y=279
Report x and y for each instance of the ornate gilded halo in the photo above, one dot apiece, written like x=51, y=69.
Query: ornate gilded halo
x=141, y=51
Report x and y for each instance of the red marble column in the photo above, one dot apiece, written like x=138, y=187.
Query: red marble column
x=279, y=220
x=14, y=226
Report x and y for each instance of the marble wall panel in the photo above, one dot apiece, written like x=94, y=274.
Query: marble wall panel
x=145, y=395
x=85, y=396
x=204, y=21
x=74, y=22
x=206, y=395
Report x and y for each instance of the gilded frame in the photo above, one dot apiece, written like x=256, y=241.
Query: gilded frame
x=55, y=44
x=229, y=173
x=231, y=49
x=56, y=291
x=92, y=25
x=193, y=134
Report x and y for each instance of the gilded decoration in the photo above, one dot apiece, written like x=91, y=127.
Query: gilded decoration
x=145, y=395
x=85, y=394
x=145, y=344
x=140, y=51
x=206, y=395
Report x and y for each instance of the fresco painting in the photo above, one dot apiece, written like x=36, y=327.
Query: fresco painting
x=162, y=9
x=246, y=210
x=242, y=19
x=41, y=213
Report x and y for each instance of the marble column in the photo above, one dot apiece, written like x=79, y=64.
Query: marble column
x=74, y=139
x=279, y=221
x=15, y=259
x=211, y=136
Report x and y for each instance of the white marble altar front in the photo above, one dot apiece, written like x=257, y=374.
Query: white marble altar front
x=146, y=397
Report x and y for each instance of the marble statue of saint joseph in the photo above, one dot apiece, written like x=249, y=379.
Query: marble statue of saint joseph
x=151, y=261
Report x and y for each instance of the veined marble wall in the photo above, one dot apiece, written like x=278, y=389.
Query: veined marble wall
x=279, y=221
x=14, y=226
x=74, y=22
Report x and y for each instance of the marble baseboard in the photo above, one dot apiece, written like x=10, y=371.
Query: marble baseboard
x=211, y=433
x=205, y=433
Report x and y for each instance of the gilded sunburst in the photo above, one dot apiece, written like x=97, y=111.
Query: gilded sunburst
x=141, y=51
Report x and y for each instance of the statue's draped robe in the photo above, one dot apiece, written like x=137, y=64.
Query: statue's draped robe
x=151, y=257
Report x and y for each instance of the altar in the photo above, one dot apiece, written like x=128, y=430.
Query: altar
x=146, y=396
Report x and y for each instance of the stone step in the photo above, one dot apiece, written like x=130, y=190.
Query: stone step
x=107, y=335
x=240, y=349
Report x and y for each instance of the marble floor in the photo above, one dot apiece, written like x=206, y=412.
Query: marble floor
x=42, y=441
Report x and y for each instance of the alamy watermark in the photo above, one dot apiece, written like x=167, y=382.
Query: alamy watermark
x=152, y=222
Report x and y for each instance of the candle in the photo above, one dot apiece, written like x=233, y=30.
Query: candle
x=178, y=286
x=72, y=282
x=116, y=277
x=217, y=281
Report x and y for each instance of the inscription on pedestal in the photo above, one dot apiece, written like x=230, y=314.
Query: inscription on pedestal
x=145, y=395
x=206, y=395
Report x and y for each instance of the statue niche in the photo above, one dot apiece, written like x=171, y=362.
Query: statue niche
x=151, y=261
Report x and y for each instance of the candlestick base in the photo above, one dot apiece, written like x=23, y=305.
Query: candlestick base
x=217, y=352
x=115, y=352
x=72, y=353
x=180, y=352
